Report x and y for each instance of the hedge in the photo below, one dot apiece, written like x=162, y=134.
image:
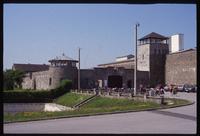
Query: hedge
x=37, y=96
x=64, y=87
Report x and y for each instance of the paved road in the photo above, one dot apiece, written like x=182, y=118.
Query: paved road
x=181, y=120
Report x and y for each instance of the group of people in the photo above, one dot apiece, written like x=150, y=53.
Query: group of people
x=158, y=90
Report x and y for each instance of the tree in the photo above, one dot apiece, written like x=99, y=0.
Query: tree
x=12, y=79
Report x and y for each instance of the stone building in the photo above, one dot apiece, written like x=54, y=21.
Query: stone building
x=48, y=76
x=152, y=50
x=155, y=66
x=123, y=61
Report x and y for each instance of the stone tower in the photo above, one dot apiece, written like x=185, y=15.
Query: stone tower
x=61, y=68
x=152, y=50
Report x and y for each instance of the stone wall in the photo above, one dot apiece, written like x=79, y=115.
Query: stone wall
x=158, y=54
x=143, y=57
x=151, y=58
x=101, y=75
x=50, y=79
x=181, y=67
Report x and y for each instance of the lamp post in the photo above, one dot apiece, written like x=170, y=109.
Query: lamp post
x=135, y=70
x=79, y=64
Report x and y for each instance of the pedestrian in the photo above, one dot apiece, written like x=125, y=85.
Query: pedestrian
x=175, y=90
x=171, y=89
x=141, y=88
x=162, y=90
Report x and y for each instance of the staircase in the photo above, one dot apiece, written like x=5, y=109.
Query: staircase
x=78, y=105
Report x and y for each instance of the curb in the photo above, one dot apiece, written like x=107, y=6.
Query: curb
x=96, y=114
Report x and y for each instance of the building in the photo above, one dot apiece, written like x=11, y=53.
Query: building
x=152, y=50
x=155, y=66
x=48, y=76
x=176, y=43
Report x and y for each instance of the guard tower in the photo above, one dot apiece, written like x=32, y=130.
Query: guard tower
x=62, y=67
x=63, y=61
x=152, y=50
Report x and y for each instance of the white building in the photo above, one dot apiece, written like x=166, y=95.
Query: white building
x=176, y=43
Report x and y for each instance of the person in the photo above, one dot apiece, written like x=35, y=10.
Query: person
x=175, y=90
x=171, y=89
x=162, y=90
x=141, y=88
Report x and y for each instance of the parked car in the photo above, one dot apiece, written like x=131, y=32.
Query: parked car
x=189, y=88
x=195, y=88
x=180, y=88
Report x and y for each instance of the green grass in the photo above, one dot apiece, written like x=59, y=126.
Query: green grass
x=70, y=99
x=113, y=104
x=97, y=105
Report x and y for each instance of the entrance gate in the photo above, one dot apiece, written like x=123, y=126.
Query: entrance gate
x=115, y=81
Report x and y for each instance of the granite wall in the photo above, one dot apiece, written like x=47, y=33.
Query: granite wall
x=181, y=67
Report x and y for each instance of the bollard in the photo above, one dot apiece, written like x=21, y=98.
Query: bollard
x=118, y=94
x=145, y=97
x=162, y=99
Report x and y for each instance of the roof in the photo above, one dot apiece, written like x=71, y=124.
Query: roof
x=124, y=61
x=30, y=67
x=129, y=56
x=62, y=58
x=182, y=51
x=153, y=35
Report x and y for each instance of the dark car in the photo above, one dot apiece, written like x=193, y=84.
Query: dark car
x=189, y=88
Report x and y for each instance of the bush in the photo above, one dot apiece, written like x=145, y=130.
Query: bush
x=27, y=96
x=37, y=95
x=63, y=88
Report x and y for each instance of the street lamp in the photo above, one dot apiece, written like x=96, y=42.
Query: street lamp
x=79, y=64
x=135, y=70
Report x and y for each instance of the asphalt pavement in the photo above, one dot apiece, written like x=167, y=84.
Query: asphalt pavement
x=180, y=120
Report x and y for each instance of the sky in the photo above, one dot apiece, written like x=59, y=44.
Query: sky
x=36, y=33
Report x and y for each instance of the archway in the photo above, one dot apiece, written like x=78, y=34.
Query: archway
x=115, y=81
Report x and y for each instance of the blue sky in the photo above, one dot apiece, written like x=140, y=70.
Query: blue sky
x=35, y=33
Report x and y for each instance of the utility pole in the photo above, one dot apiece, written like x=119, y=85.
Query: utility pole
x=79, y=64
x=135, y=70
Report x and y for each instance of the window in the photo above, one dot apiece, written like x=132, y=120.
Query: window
x=50, y=80
x=142, y=56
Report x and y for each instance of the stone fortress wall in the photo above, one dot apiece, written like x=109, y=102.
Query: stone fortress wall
x=48, y=79
x=181, y=68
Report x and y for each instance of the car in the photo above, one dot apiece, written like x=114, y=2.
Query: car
x=189, y=88
x=180, y=88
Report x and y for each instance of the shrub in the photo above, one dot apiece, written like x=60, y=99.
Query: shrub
x=37, y=95
x=63, y=88
x=27, y=96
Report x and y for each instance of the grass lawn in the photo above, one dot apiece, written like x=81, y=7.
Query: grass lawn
x=70, y=99
x=97, y=105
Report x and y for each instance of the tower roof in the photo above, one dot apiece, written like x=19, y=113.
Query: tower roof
x=154, y=35
x=62, y=58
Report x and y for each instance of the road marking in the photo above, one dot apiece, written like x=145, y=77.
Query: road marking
x=178, y=115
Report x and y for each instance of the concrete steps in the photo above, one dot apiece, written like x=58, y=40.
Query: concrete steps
x=78, y=105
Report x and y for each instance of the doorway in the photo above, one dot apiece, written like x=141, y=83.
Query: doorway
x=115, y=81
